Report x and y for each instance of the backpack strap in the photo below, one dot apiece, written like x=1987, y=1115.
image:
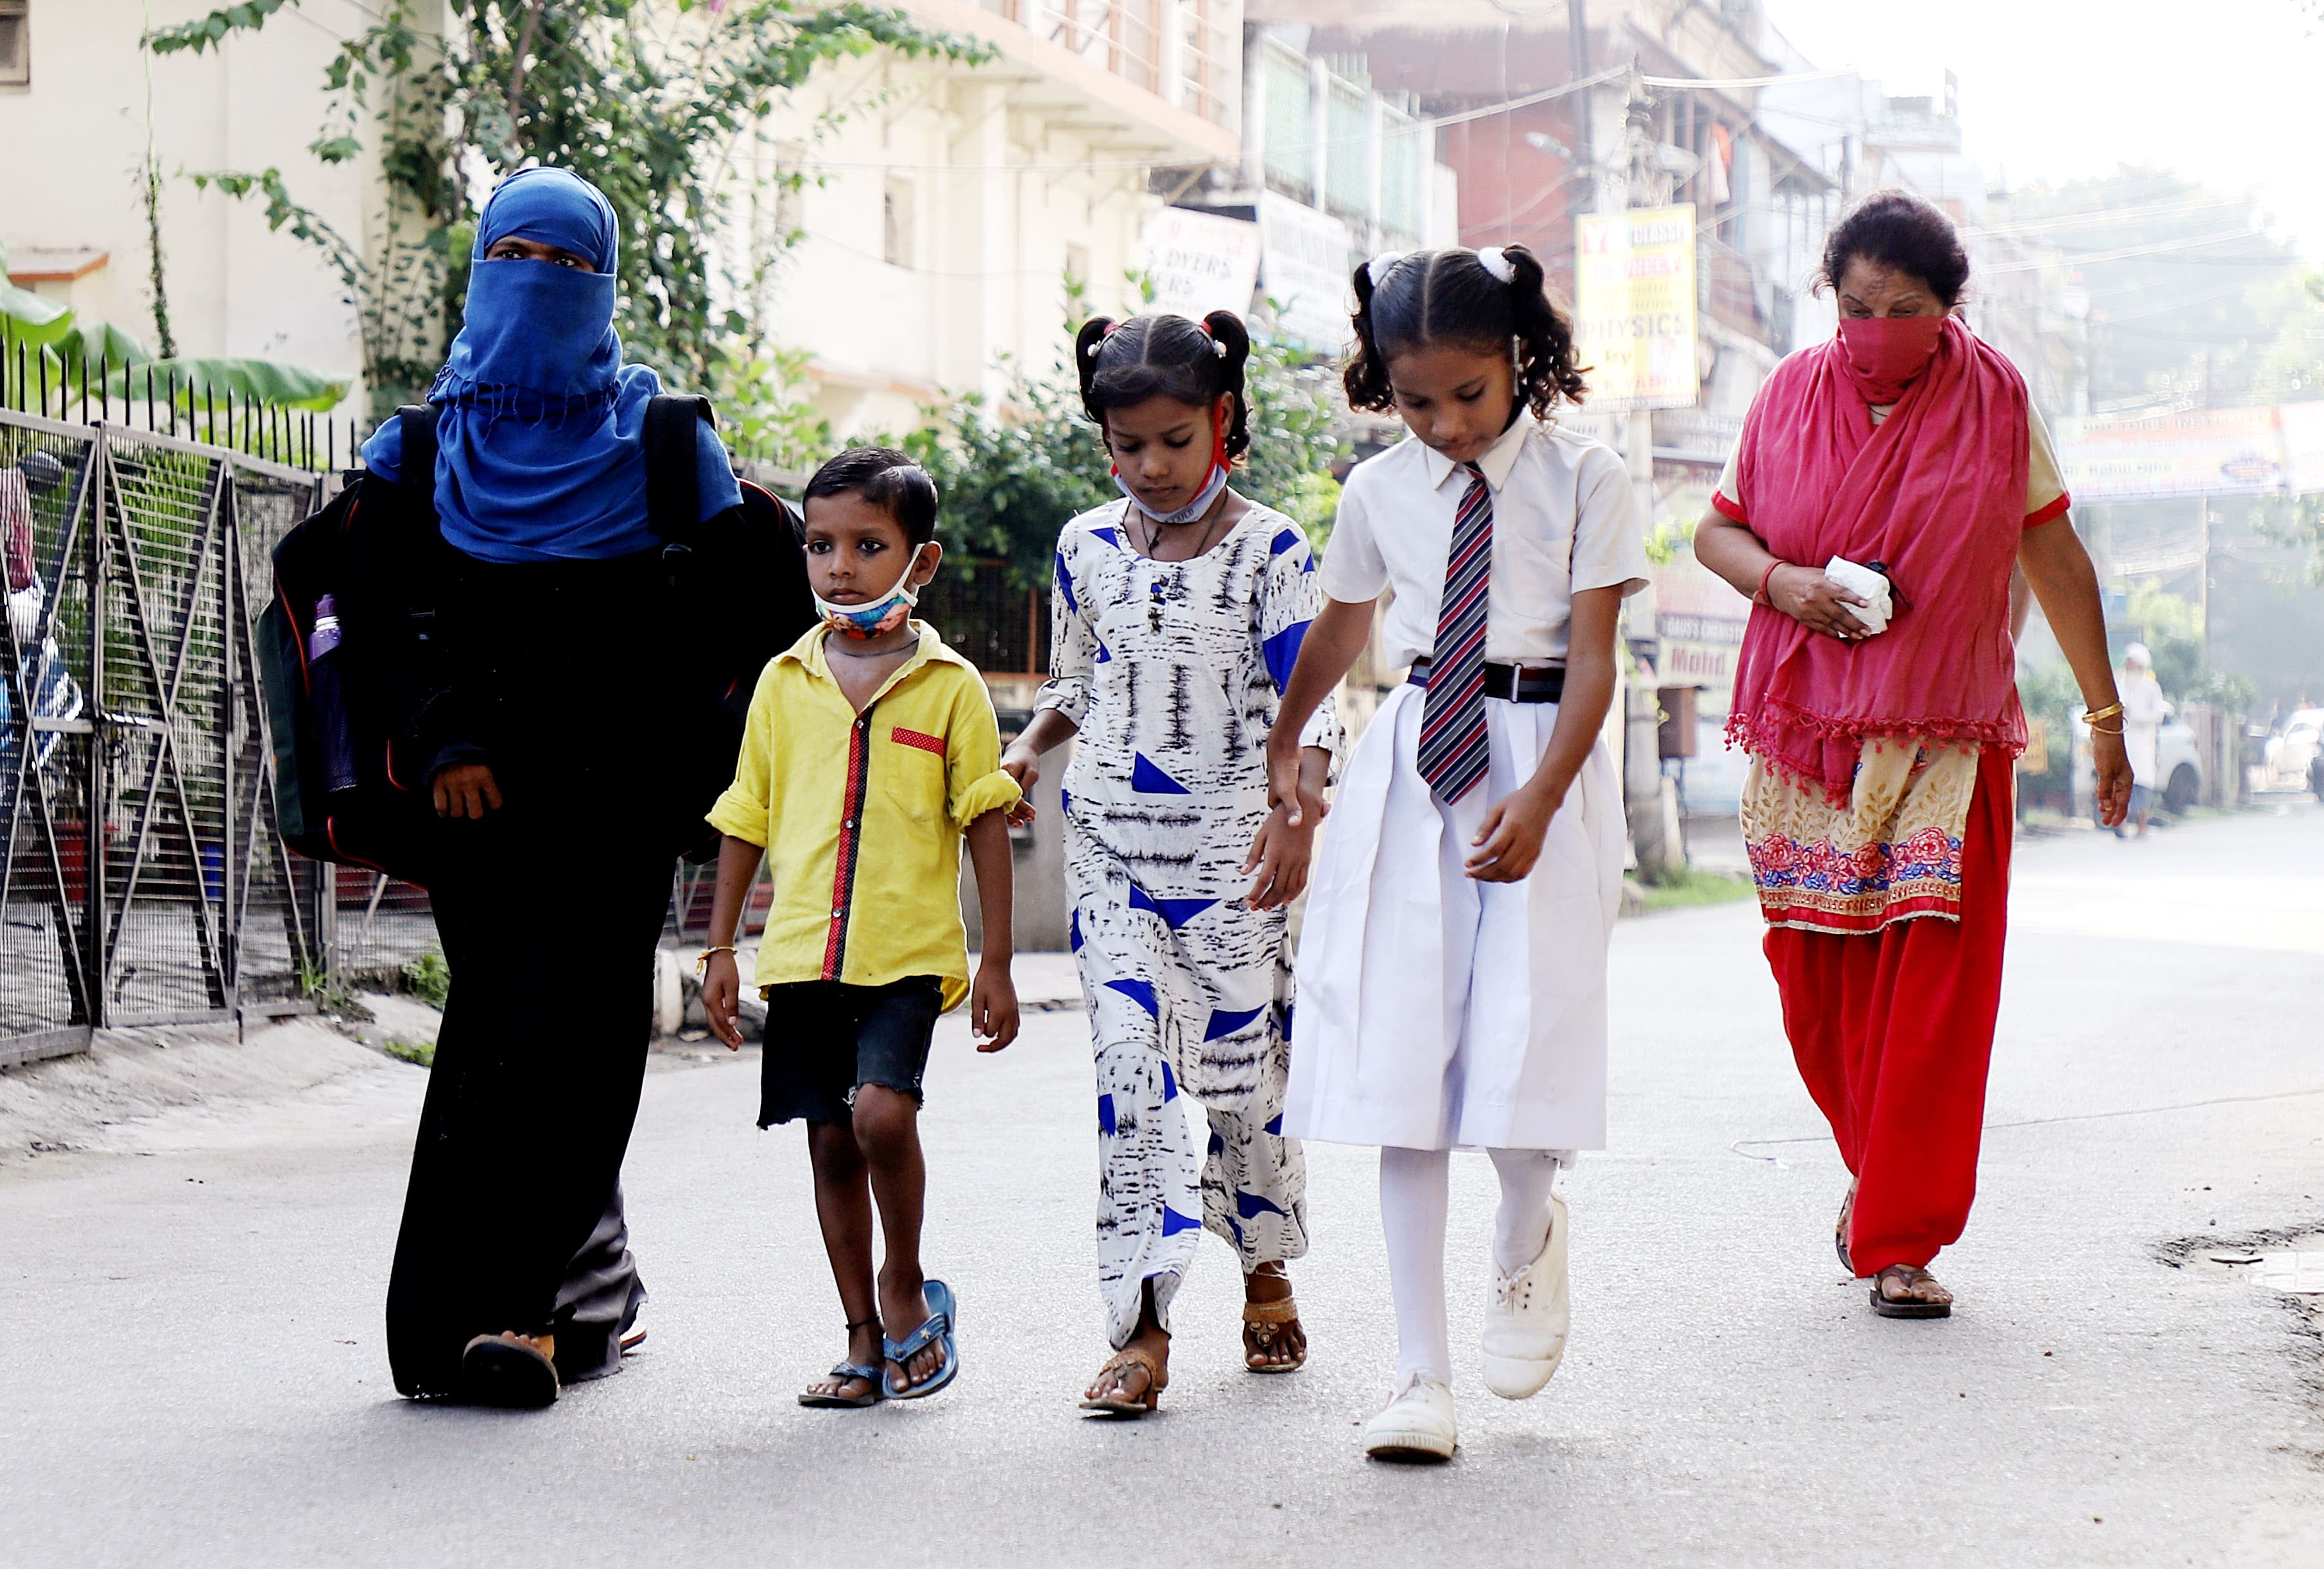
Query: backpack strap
x=673, y=482
x=416, y=480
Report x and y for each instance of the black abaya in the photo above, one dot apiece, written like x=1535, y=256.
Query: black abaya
x=549, y=911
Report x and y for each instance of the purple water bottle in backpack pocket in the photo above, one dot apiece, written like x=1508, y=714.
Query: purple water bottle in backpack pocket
x=326, y=679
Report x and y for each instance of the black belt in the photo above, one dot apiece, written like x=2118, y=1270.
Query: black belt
x=1512, y=683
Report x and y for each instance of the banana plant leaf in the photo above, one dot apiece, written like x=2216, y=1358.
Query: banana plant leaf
x=100, y=343
x=269, y=382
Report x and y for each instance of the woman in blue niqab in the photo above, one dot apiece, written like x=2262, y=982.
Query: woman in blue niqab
x=557, y=741
x=540, y=425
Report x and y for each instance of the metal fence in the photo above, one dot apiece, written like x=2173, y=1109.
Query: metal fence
x=141, y=876
x=141, y=879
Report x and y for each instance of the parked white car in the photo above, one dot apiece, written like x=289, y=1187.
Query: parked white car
x=2294, y=760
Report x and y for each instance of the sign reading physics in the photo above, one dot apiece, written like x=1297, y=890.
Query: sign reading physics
x=1634, y=317
x=1201, y=263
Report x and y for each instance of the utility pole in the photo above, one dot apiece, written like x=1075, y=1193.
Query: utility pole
x=1577, y=32
x=1651, y=800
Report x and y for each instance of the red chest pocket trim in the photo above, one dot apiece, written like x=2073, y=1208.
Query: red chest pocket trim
x=903, y=737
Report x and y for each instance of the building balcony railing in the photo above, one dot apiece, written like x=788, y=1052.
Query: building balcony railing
x=1185, y=52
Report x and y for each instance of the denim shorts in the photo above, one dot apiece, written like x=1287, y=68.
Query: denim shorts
x=826, y=1039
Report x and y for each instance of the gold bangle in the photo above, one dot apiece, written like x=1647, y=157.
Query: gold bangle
x=2095, y=715
x=702, y=960
x=2102, y=730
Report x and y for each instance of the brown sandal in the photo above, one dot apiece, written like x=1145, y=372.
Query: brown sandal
x=1262, y=1325
x=1840, y=1231
x=1911, y=1277
x=1131, y=1406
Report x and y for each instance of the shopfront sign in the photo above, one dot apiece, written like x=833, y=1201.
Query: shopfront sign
x=1635, y=308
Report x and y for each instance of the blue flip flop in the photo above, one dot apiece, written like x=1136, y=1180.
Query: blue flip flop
x=943, y=1314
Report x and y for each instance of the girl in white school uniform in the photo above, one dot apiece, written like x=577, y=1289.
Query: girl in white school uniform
x=1452, y=969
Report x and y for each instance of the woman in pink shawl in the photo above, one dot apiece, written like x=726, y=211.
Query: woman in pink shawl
x=1880, y=713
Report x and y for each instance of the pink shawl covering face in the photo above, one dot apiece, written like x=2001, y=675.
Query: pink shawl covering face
x=1936, y=493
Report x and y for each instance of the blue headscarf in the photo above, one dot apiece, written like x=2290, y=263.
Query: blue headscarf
x=540, y=425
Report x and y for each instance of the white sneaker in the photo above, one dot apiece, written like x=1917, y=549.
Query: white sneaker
x=1527, y=1315
x=1416, y=1425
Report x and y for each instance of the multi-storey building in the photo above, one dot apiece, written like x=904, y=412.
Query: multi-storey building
x=946, y=205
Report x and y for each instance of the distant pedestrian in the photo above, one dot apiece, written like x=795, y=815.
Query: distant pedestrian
x=2143, y=711
x=1178, y=611
x=871, y=750
x=1453, y=967
x=566, y=737
x=1904, y=457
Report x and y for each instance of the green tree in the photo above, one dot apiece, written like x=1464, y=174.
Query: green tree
x=652, y=100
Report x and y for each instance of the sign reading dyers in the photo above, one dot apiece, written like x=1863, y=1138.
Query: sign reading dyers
x=1634, y=317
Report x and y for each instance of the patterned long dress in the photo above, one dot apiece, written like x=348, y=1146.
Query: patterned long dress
x=1172, y=673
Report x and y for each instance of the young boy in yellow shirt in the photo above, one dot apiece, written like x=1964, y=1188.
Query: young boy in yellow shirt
x=870, y=751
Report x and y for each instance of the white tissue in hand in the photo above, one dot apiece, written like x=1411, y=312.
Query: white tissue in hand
x=1864, y=581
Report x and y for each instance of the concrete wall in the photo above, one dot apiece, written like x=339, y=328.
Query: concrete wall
x=993, y=225
x=76, y=140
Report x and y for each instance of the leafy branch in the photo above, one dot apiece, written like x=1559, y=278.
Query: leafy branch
x=210, y=32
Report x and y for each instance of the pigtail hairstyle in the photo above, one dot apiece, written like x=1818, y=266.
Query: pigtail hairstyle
x=1124, y=363
x=1455, y=297
x=1366, y=376
x=1087, y=343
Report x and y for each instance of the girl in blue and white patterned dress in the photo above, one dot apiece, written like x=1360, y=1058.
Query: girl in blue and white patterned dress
x=1179, y=612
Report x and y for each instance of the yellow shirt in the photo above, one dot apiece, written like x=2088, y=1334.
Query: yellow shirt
x=861, y=815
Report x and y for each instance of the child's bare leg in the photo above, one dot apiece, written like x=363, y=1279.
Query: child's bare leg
x=888, y=1133
x=843, y=1204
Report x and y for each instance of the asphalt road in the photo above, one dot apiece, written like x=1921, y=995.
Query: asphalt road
x=196, y=1373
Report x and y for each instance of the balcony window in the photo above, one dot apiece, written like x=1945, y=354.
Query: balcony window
x=1288, y=154
x=1347, y=130
x=895, y=237
x=15, y=43
x=1209, y=58
x=1118, y=36
x=1404, y=170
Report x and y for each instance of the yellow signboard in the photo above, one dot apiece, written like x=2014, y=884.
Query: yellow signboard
x=1634, y=282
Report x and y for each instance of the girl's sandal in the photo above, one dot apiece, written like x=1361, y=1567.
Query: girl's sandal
x=1913, y=1278
x=1130, y=1406
x=1840, y=1231
x=1263, y=1325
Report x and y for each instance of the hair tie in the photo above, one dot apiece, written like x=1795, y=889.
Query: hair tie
x=1382, y=265
x=1495, y=260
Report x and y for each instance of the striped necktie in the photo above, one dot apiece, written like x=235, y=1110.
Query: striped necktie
x=1454, y=747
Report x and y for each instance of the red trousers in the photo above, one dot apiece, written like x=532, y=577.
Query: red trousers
x=1892, y=1032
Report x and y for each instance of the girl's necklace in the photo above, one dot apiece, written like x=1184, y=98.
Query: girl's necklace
x=1208, y=522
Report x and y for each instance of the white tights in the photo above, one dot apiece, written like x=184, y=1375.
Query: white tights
x=1415, y=1192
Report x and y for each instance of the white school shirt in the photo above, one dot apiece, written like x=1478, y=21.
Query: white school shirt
x=1565, y=520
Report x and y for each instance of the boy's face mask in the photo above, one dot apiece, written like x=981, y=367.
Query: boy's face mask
x=875, y=617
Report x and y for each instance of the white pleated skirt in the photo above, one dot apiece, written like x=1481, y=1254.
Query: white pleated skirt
x=1435, y=1012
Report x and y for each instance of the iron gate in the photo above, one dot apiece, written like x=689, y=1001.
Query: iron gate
x=141, y=879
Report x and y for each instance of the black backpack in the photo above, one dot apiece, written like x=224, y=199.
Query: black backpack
x=341, y=791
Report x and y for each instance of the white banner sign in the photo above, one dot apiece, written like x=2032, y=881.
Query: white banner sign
x=1201, y=263
x=1304, y=269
